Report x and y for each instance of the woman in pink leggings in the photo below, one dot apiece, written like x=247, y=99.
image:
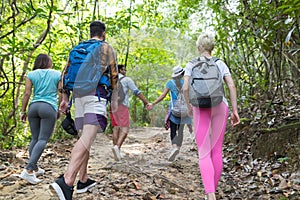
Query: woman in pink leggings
x=210, y=122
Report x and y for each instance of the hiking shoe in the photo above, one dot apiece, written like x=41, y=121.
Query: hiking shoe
x=31, y=178
x=173, y=154
x=39, y=172
x=83, y=187
x=63, y=191
x=116, y=152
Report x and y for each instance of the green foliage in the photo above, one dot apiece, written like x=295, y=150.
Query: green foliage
x=259, y=41
x=281, y=160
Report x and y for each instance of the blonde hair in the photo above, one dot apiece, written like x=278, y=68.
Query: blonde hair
x=206, y=41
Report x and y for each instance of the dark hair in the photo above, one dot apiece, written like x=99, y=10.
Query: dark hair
x=178, y=79
x=120, y=67
x=97, y=28
x=42, y=61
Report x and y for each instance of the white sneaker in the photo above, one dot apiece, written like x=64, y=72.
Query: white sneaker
x=31, y=178
x=116, y=152
x=39, y=172
x=122, y=155
x=173, y=154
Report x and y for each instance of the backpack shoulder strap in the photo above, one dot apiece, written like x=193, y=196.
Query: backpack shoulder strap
x=119, y=81
x=121, y=78
x=215, y=59
x=173, y=81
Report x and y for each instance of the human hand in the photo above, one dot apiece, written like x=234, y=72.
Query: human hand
x=23, y=117
x=235, y=119
x=149, y=106
x=63, y=106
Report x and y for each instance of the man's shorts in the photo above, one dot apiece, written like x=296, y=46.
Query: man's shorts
x=89, y=110
x=120, y=117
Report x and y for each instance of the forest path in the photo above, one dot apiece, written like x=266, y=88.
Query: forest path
x=145, y=173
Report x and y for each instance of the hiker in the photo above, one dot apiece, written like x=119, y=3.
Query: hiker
x=42, y=112
x=120, y=116
x=176, y=124
x=90, y=115
x=210, y=122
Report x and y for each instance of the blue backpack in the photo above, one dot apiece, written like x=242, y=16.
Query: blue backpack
x=85, y=72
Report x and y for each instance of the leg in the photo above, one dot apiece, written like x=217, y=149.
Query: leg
x=48, y=118
x=116, y=134
x=175, y=140
x=116, y=128
x=122, y=136
x=122, y=123
x=34, y=123
x=180, y=135
x=218, y=130
x=202, y=121
x=83, y=168
x=177, y=134
x=80, y=153
x=84, y=182
x=173, y=132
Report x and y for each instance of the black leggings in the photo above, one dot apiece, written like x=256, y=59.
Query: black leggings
x=176, y=133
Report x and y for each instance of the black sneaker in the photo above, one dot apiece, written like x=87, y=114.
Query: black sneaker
x=63, y=191
x=83, y=187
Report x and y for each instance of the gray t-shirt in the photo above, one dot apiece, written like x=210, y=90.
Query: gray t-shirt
x=128, y=84
x=221, y=65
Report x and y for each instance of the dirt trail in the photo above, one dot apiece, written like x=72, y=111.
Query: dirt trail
x=144, y=173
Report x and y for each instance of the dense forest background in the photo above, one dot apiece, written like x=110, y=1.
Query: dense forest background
x=259, y=41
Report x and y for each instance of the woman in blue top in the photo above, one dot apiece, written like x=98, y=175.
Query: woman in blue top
x=42, y=112
x=176, y=123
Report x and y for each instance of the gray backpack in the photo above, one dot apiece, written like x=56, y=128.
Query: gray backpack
x=206, y=83
x=179, y=107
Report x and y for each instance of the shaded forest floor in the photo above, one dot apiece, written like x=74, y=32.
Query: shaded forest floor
x=144, y=173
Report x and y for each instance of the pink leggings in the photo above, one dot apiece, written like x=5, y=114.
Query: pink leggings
x=210, y=125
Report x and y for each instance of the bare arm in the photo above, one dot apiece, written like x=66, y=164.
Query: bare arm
x=63, y=97
x=185, y=90
x=142, y=97
x=159, y=99
x=64, y=102
x=25, y=100
x=235, y=119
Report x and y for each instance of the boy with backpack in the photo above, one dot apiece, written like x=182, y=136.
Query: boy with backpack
x=90, y=96
x=120, y=116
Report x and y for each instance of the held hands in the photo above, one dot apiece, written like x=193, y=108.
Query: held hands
x=149, y=106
